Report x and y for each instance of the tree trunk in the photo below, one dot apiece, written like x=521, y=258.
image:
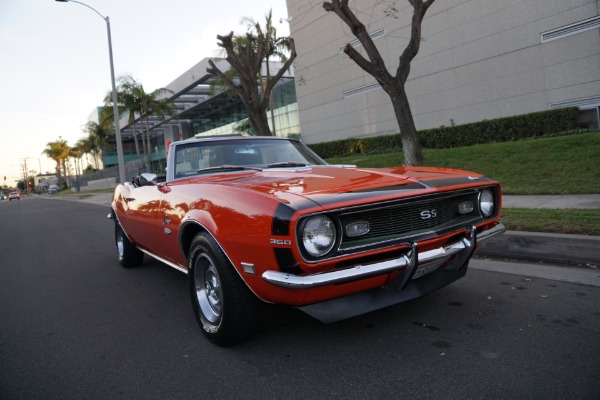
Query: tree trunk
x=272, y=106
x=144, y=150
x=411, y=148
x=375, y=66
x=58, y=173
x=65, y=176
x=149, y=155
x=260, y=123
x=247, y=63
x=135, y=140
x=273, y=129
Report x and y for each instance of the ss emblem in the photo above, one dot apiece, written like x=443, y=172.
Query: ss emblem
x=428, y=214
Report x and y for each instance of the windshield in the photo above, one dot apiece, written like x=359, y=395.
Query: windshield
x=234, y=155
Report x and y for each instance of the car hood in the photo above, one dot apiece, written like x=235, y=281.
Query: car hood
x=324, y=184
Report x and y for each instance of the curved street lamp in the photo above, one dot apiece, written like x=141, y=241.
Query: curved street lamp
x=120, y=160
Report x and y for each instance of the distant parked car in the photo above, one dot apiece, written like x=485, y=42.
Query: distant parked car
x=14, y=195
x=3, y=196
x=53, y=189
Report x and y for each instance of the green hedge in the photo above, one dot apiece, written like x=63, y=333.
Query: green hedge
x=497, y=130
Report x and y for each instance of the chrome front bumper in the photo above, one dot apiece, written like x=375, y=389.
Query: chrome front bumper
x=411, y=261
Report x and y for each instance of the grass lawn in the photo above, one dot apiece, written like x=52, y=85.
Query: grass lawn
x=556, y=165
x=580, y=222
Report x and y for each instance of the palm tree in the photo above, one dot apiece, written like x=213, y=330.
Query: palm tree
x=127, y=101
x=89, y=146
x=275, y=46
x=132, y=97
x=149, y=105
x=246, y=55
x=95, y=141
x=84, y=147
x=75, y=153
x=58, y=151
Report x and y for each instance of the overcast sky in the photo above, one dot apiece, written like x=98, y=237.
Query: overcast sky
x=54, y=68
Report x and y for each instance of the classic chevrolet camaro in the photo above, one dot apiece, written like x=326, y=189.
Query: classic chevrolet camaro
x=264, y=219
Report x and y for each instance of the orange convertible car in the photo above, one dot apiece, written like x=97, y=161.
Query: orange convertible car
x=263, y=219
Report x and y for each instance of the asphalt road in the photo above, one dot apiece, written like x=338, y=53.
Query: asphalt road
x=75, y=325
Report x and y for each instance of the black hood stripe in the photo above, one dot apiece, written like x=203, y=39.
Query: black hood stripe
x=439, y=183
x=281, y=220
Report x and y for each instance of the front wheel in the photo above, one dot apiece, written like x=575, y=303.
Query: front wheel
x=226, y=310
x=129, y=255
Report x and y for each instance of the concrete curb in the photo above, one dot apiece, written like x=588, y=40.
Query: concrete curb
x=576, y=201
x=556, y=248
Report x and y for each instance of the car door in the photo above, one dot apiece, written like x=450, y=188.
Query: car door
x=143, y=215
x=173, y=208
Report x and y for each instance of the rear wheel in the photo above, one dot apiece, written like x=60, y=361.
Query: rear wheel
x=226, y=310
x=129, y=255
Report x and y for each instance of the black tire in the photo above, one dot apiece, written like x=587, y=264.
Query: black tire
x=226, y=310
x=129, y=255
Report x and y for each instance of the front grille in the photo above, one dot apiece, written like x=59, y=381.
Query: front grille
x=410, y=218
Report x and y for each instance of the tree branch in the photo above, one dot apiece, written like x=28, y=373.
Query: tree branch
x=412, y=49
x=285, y=67
x=374, y=66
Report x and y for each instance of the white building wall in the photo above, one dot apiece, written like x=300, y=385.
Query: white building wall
x=479, y=59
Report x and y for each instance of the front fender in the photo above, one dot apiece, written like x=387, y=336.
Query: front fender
x=194, y=222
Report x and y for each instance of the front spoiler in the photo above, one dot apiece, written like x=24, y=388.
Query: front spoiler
x=401, y=289
x=341, y=308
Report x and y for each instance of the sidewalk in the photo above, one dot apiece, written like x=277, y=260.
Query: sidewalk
x=101, y=199
x=578, y=250
x=582, y=201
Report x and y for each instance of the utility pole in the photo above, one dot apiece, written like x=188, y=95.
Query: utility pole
x=25, y=181
x=26, y=178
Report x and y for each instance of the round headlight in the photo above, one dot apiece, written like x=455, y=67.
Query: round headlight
x=486, y=202
x=318, y=235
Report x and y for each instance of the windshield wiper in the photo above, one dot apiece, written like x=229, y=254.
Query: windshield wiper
x=285, y=164
x=228, y=168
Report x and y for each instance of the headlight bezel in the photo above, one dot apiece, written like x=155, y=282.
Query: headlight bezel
x=488, y=202
x=311, y=254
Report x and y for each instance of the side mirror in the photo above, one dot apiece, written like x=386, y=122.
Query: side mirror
x=147, y=178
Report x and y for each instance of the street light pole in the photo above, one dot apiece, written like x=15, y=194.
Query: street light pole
x=120, y=160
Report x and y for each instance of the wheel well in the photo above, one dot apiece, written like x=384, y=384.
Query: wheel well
x=188, y=233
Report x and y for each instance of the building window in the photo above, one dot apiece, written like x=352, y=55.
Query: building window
x=589, y=118
x=589, y=111
x=568, y=30
x=356, y=43
x=362, y=89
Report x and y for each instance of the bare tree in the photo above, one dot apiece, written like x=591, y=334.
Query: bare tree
x=246, y=58
x=394, y=86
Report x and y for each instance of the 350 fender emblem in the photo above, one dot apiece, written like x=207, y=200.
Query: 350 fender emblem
x=428, y=214
x=280, y=242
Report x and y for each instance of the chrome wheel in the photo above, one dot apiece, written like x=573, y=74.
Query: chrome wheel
x=226, y=310
x=208, y=289
x=120, y=244
x=129, y=255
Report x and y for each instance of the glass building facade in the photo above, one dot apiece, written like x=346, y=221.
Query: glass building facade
x=203, y=113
